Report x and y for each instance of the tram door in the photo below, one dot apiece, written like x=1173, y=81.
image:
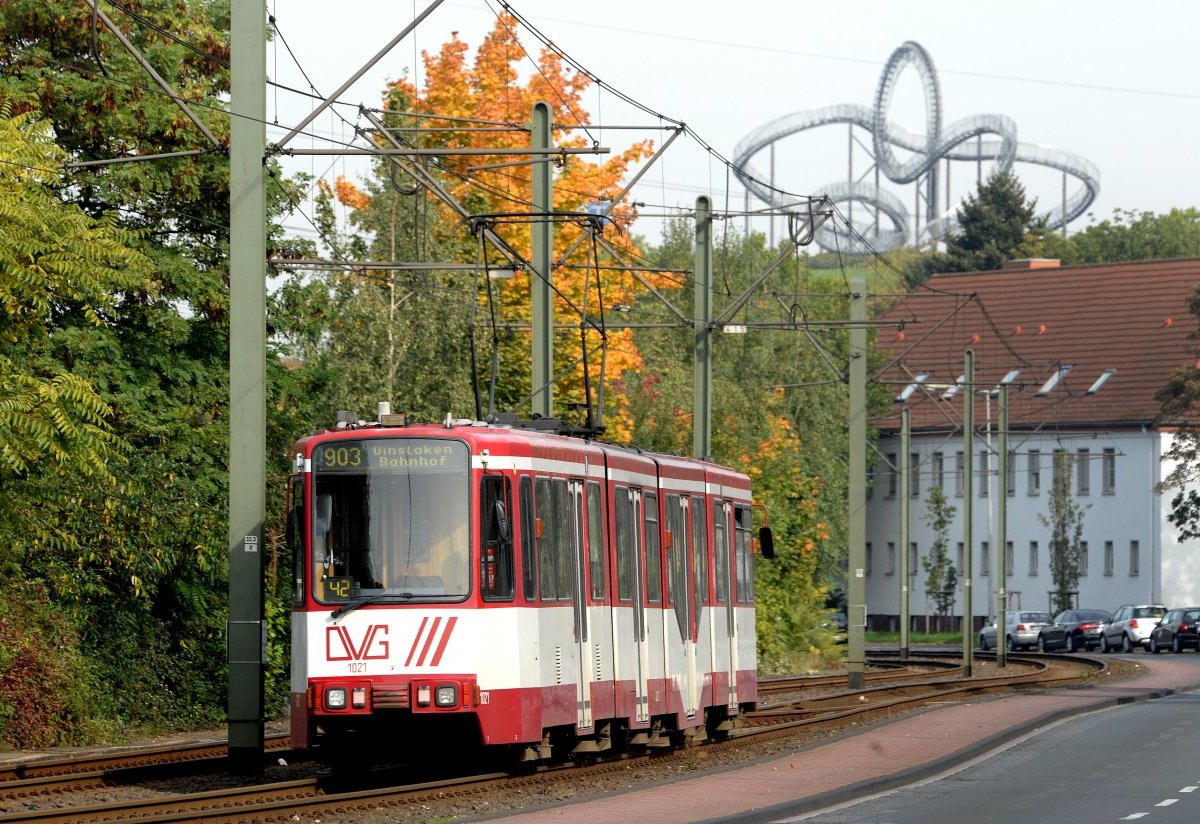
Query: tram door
x=583, y=692
x=722, y=580
x=630, y=576
x=702, y=637
x=642, y=698
x=681, y=645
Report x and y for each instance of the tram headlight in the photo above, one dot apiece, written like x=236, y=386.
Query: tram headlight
x=447, y=695
x=335, y=698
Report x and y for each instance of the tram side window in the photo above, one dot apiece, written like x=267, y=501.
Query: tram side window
x=528, y=541
x=547, y=577
x=295, y=537
x=596, y=544
x=677, y=561
x=744, y=558
x=700, y=552
x=653, y=551
x=496, y=542
x=625, y=527
x=720, y=552
x=564, y=544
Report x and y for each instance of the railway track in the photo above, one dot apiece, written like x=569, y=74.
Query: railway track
x=128, y=759
x=907, y=687
x=885, y=671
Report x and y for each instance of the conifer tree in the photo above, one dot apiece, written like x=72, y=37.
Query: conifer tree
x=996, y=223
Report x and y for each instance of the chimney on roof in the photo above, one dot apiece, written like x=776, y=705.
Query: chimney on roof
x=1032, y=263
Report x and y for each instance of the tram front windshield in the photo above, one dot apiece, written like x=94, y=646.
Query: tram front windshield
x=390, y=519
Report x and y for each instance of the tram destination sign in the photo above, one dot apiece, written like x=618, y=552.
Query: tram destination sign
x=382, y=454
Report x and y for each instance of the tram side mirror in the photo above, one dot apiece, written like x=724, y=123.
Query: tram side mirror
x=766, y=542
x=322, y=521
x=324, y=513
x=292, y=534
x=501, y=517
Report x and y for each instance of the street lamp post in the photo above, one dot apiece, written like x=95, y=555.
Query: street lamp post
x=968, y=628
x=905, y=503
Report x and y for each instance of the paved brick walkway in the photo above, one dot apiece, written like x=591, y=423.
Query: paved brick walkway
x=887, y=755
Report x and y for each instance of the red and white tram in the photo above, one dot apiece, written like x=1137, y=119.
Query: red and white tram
x=504, y=585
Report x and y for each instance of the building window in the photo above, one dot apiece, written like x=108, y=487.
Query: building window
x=984, y=560
x=985, y=474
x=1061, y=463
x=938, y=469
x=1033, y=558
x=1083, y=559
x=914, y=475
x=891, y=474
x=1135, y=559
x=891, y=559
x=959, y=473
x=960, y=558
x=1083, y=473
x=1108, y=557
x=914, y=559
x=1010, y=475
x=868, y=561
x=1108, y=472
x=1010, y=559
x=1033, y=466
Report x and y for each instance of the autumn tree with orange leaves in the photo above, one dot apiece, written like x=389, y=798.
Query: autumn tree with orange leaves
x=482, y=104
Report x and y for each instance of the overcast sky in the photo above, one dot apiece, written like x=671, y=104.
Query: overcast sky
x=1116, y=85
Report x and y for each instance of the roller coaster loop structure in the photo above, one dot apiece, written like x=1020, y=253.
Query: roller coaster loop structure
x=962, y=140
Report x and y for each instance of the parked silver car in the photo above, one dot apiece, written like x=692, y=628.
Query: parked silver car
x=1021, y=630
x=1130, y=627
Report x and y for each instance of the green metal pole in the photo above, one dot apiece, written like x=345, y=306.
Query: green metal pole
x=702, y=353
x=905, y=492
x=542, y=230
x=856, y=597
x=968, y=620
x=247, y=385
x=1002, y=531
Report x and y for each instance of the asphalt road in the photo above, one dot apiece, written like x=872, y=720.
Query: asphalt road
x=1139, y=762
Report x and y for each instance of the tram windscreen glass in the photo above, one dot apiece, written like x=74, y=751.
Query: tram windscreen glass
x=390, y=518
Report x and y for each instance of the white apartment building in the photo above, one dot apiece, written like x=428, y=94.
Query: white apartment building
x=1083, y=350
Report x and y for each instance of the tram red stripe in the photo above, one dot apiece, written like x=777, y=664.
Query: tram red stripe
x=437, y=655
x=429, y=640
x=417, y=640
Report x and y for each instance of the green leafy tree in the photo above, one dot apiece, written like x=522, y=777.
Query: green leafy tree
x=55, y=260
x=941, y=577
x=55, y=428
x=382, y=334
x=1130, y=235
x=138, y=561
x=1065, y=521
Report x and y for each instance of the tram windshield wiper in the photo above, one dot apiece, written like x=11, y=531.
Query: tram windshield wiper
x=370, y=599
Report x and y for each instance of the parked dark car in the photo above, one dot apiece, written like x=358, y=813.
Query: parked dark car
x=1178, y=629
x=1074, y=629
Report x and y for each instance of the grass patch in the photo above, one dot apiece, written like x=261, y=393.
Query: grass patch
x=915, y=638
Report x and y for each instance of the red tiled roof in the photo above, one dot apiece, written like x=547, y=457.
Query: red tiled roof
x=1131, y=317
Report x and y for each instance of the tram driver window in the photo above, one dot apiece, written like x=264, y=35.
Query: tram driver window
x=387, y=527
x=495, y=539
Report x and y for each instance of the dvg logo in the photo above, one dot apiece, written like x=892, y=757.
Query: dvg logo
x=341, y=646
